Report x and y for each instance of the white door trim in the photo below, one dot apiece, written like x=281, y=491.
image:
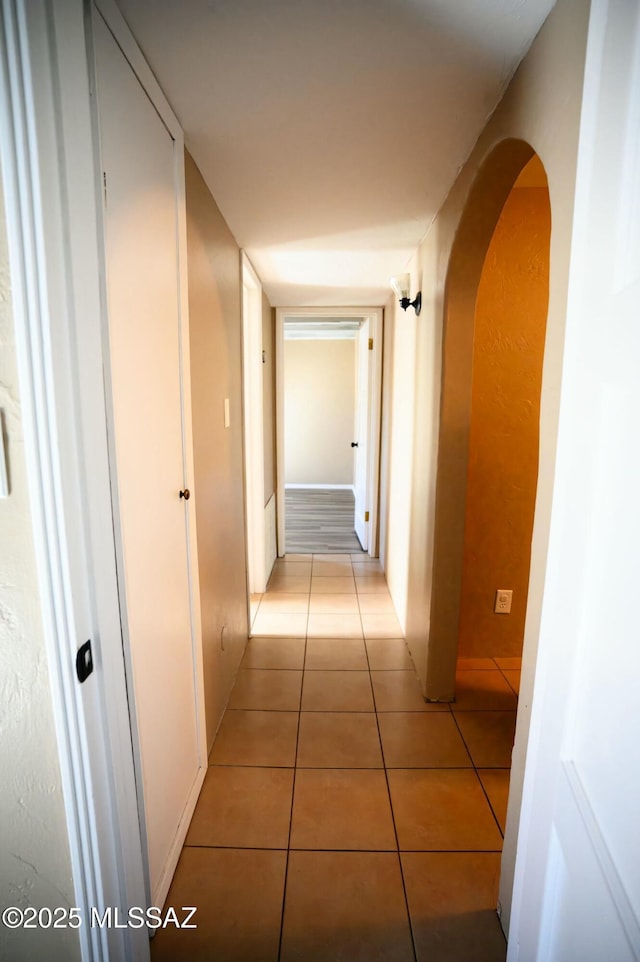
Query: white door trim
x=49, y=164
x=253, y=424
x=375, y=318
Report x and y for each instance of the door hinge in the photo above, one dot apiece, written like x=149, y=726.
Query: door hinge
x=370, y=343
x=366, y=516
x=104, y=186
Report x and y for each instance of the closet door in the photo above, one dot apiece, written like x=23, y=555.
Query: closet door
x=140, y=159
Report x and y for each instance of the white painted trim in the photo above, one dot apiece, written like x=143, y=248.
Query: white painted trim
x=619, y=895
x=319, y=487
x=252, y=376
x=49, y=166
x=279, y=406
x=375, y=318
x=116, y=24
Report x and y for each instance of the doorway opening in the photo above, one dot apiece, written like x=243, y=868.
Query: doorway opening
x=328, y=387
x=490, y=444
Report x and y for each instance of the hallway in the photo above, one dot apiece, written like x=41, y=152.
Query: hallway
x=342, y=817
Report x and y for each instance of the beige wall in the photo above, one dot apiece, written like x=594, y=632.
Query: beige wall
x=269, y=396
x=35, y=865
x=216, y=374
x=319, y=411
x=510, y=324
x=423, y=549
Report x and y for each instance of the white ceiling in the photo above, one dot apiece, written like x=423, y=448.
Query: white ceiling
x=330, y=131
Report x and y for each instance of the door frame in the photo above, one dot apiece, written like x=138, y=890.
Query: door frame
x=53, y=206
x=253, y=427
x=375, y=317
x=53, y=184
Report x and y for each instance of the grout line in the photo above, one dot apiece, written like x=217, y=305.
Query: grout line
x=293, y=795
x=393, y=819
x=475, y=769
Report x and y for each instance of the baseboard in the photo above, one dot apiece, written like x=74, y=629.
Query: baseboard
x=319, y=487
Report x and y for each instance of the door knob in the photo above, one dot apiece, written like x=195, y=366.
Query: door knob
x=186, y=494
x=354, y=444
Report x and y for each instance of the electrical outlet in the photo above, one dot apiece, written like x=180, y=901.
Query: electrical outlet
x=503, y=601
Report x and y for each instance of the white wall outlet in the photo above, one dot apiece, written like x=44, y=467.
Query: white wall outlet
x=503, y=601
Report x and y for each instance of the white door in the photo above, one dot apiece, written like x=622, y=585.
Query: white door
x=362, y=436
x=139, y=161
x=577, y=889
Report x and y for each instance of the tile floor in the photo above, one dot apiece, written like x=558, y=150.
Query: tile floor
x=342, y=817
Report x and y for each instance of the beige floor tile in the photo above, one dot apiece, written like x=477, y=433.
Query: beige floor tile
x=422, y=740
x=336, y=691
x=339, y=740
x=289, y=602
x=496, y=785
x=267, y=690
x=289, y=583
x=489, y=736
x=295, y=558
x=332, y=569
x=274, y=653
x=256, y=738
x=346, y=654
x=363, y=558
x=511, y=664
x=477, y=690
x=400, y=691
x=347, y=906
x=381, y=626
x=476, y=664
x=452, y=900
x=342, y=809
x=334, y=626
x=332, y=558
x=332, y=586
x=321, y=604
x=513, y=677
x=442, y=809
x=298, y=569
x=377, y=604
x=370, y=569
x=388, y=653
x=280, y=623
x=239, y=897
x=243, y=808
x=371, y=586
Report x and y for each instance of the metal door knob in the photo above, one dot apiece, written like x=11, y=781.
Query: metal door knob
x=354, y=444
x=186, y=494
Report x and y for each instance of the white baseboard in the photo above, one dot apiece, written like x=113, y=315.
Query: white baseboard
x=314, y=487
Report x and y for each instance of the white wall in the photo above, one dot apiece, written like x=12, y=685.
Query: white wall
x=35, y=866
x=319, y=411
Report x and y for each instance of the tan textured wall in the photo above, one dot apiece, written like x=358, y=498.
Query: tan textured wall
x=319, y=411
x=35, y=864
x=216, y=374
x=269, y=396
x=510, y=324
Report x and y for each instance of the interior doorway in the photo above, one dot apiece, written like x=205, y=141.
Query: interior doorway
x=328, y=381
x=493, y=352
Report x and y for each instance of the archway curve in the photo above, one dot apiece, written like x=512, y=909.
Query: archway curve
x=483, y=208
x=484, y=205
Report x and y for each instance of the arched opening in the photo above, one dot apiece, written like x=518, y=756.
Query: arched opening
x=496, y=304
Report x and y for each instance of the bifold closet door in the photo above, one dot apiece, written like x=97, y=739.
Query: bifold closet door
x=141, y=225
